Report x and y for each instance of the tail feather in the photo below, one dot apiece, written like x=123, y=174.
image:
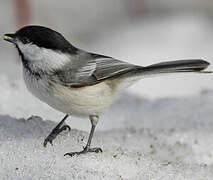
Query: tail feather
x=195, y=65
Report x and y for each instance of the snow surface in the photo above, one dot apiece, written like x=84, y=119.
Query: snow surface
x=165, y=138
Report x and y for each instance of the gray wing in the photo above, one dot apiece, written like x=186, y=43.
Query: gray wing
x=107, y=67
x=89, y=69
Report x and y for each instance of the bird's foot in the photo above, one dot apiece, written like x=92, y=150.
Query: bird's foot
x=57, y=130
x=85, y=150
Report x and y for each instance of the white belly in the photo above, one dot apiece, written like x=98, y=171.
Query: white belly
x=85, y=101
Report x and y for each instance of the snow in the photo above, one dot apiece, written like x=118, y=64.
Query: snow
x=141, y=138
x=128, y=153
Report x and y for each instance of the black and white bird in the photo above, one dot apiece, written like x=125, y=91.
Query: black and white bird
x=80, y=83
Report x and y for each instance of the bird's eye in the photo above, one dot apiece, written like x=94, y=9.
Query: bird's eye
x=25, y=40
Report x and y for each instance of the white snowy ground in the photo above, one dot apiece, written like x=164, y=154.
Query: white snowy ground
x=166, y=138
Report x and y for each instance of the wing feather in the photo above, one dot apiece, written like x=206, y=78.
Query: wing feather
x=108, y=67
x=89, y=69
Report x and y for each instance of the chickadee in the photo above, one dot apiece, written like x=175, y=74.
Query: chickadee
x=76, y=82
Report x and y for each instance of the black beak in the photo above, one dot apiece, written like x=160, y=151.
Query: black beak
x=9, y=38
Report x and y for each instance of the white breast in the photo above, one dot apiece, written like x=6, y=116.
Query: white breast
x=89, y=100
x=85, y=101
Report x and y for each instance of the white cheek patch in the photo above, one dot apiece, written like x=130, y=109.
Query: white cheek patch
x=30, y=51
x=43, y=58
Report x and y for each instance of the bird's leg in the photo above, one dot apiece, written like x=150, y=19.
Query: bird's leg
x=94, y=120
x=58, y=129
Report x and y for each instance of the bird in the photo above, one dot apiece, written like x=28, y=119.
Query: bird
x=77, y=82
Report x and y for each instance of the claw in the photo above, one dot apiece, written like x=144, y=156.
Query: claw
x=85, y=150
x=54, y=133
x=46, y=141
x=96, y=150
x=65, y=127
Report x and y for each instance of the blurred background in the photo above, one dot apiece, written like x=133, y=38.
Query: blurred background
x=138, y=31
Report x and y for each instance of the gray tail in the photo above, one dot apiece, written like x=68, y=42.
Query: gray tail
x=194, y=65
